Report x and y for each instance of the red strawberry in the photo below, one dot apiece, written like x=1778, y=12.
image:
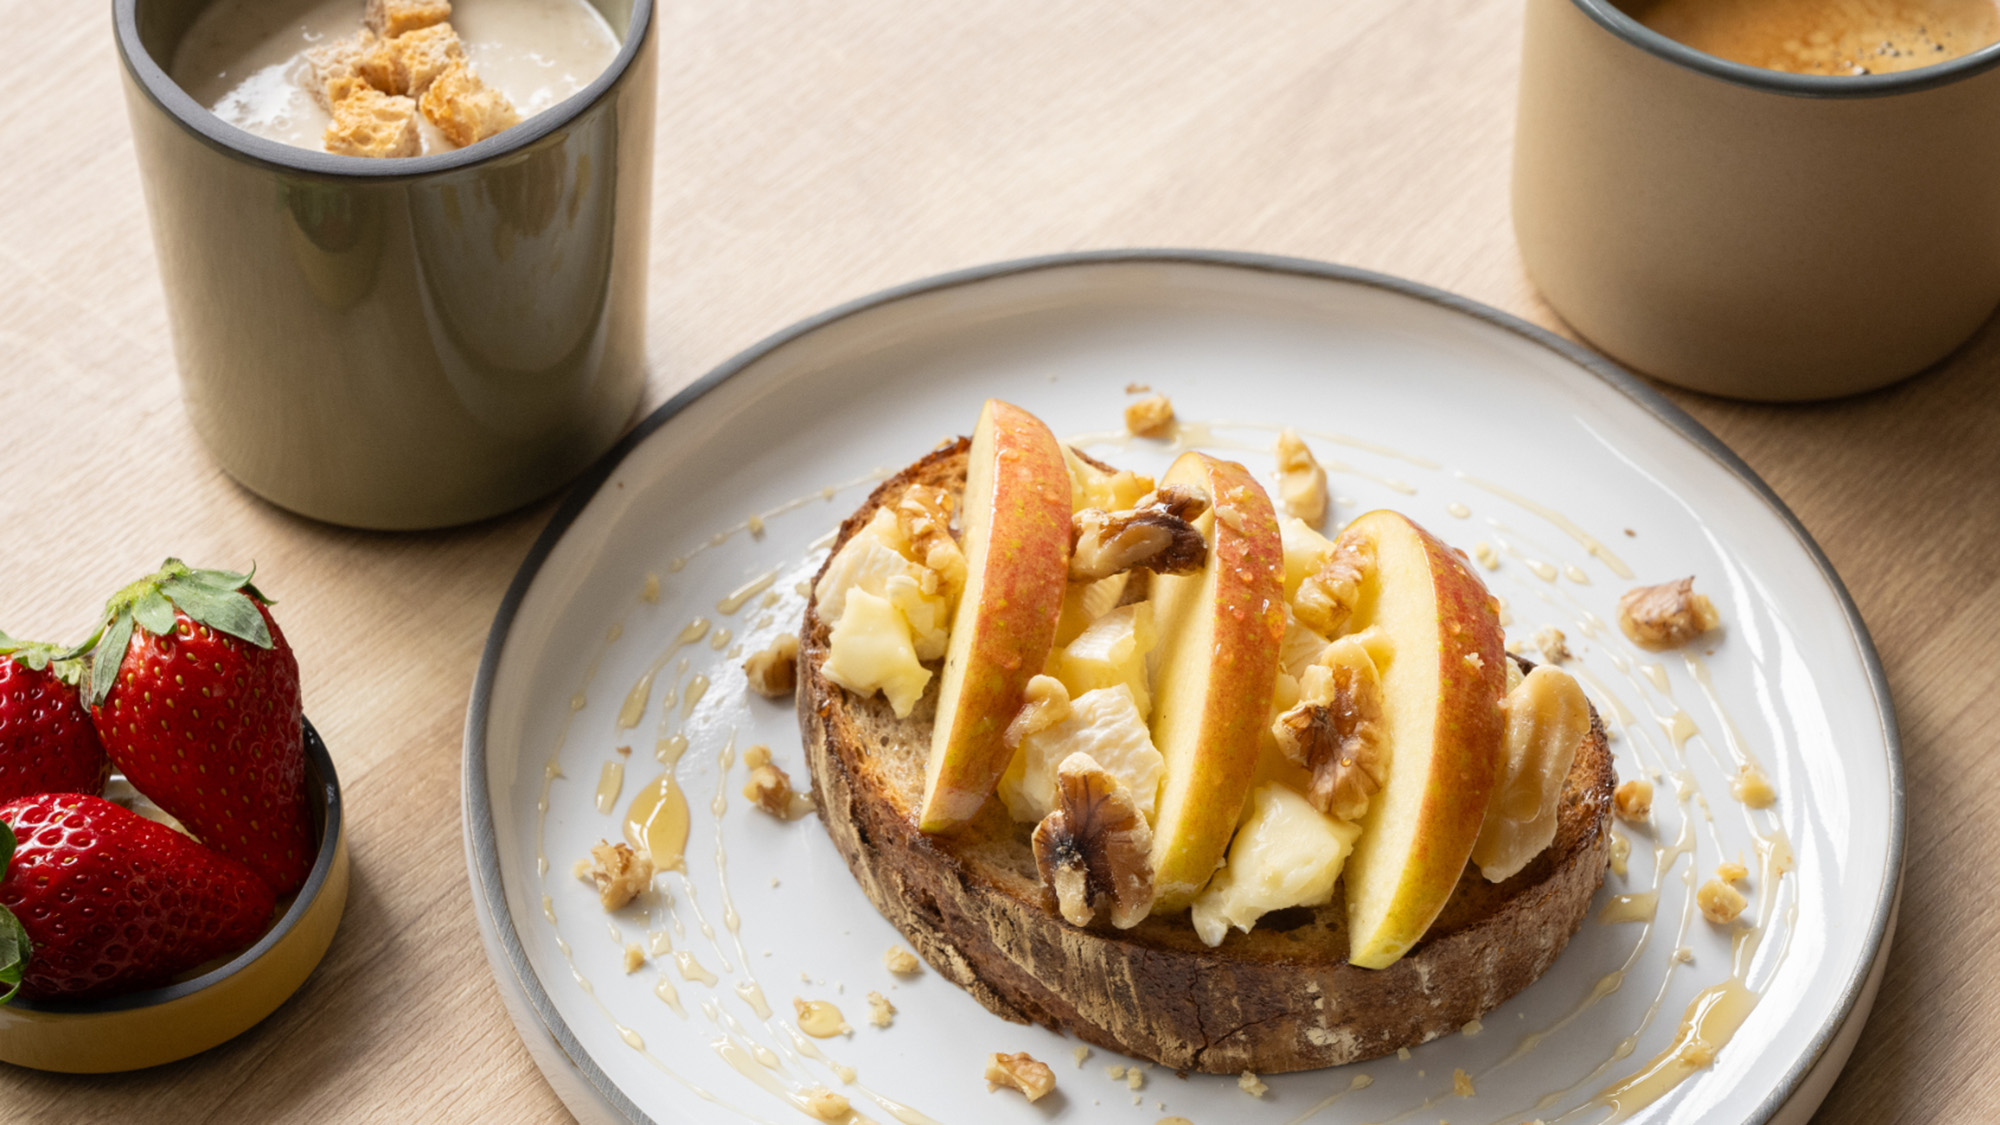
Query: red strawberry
x=47, y=744
x=196, y=696
x=111, y=902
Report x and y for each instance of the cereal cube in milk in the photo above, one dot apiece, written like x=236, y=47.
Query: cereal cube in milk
x=410, y=62
x=368, y=122
x=395, y=17
x=334, y=70
x=466, y=109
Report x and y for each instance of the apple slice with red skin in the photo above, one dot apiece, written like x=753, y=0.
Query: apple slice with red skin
x=1015, y=522
x=1214, y=668
x=1442, y=722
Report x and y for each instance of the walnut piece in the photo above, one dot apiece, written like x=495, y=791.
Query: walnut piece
x=1732, y=872
x=770, y=787
x=1633, y=800
x=1249, y=1083
x=1019, y=1071
x=1461, y=1083
x=1301, y=480
x=619, y=873
x=1720, y=903
x=1044, y=703
x=1326, y=599
x=1751, y=787
x=901, y=961
x=827, y=1105
x=880, y=1011
x=1095, y=845
x=1666, y=615
x=1151, y=416
x=1335, y=730
x=773, y=670
x=923, y=515
x=1554, y=646
x=1156, y=534
x=634, y=958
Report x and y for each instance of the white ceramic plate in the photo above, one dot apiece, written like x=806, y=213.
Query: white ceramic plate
x=1482, y=428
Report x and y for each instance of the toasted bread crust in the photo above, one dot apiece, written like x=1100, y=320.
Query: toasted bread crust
x=1280, y=998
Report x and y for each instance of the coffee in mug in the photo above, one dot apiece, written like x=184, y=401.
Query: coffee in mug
x=1828, y=37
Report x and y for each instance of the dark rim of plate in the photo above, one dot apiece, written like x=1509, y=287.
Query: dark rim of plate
x=482, y=849
x=167, y=94
x=1614, y=19
x=320, y=779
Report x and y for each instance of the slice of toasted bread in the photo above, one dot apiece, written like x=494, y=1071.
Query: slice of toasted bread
x=1279, y=998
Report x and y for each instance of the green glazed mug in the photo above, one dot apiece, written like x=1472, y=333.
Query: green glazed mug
x=403, y=343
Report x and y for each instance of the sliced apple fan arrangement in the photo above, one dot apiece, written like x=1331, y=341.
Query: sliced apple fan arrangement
x=1182, y=712
x=190, y=690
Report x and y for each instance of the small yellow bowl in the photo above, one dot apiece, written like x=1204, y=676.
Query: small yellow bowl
x=174, y=1021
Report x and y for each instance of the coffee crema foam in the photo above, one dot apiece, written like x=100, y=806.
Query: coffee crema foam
x=1826, y=37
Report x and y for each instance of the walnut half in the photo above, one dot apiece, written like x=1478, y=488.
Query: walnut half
x=1335, y=730
x=1326, y=599
x=1019, y=1071
x=618, y=873
x=1666, y=615
x=1095, y=845
x=1156, y=534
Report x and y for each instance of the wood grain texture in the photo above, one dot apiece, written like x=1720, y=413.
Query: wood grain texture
x=808, y=154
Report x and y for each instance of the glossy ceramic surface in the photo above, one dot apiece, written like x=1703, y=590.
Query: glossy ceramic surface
x=164, y=1024
x=402, y=343
x=1420, y=401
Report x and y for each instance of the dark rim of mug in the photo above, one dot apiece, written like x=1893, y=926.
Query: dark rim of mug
x=482, y=846
x=324, y=784
x=1609, y=16
x=196, y=118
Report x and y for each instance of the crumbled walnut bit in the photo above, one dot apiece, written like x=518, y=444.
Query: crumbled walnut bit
x=1301, y=480
x=880, y=1011
x=1751, y=787
x=619, y=873
x=1137, y=388
x=1095, y=844
x=1249, y=1083
x=1152, y=416
x=1081, y=1053
x=1135, y=1078
x=634, y=958
x=773, y=670
x=1684, y=955
x=1554, y=646
x=1461, y=1082
x=1403, y=1053
x=1115, y=1072
x=1156, y=534
x=826, y=1105
x=1732, y=872
x=1472, y=1028
x=771, y=787
x=1633, y=799
x=1666, y=615
x=1325, y=600
x=624, y=751
x=901, y=961
x=1335, y=730
x=1019, y=1071
x=581, y=870
x=923, y=515
x=1044, y=703
x=1720, y=903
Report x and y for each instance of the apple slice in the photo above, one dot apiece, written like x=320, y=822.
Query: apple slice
x=1015, y=520
x=1214, y=668
x=1441, y=695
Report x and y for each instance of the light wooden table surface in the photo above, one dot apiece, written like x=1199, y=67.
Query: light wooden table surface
x=808, y=154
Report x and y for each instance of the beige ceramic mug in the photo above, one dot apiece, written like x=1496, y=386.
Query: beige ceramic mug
x=1748, y=232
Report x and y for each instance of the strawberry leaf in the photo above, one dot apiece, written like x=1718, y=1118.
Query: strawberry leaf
x=109, y=655
x=15, y=948
x=226, y=611
x=154, y=613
